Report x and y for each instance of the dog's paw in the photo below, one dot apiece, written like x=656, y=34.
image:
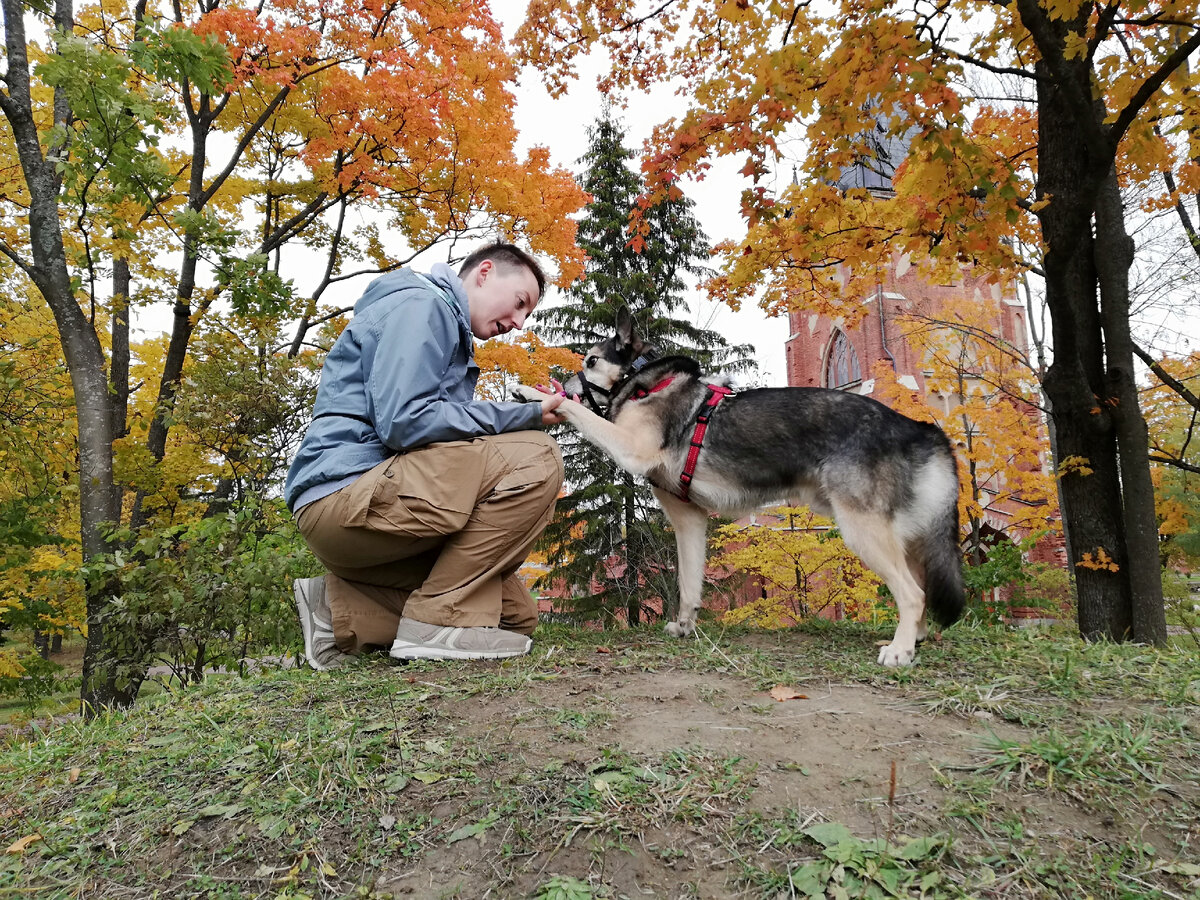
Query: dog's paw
x=893, y=656
x=680, y=629
x=526, y=394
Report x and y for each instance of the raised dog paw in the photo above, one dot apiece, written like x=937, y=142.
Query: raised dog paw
x=893, y=655
x=527, y=394
x=679, y=629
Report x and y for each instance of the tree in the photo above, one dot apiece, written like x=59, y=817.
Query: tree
x=608, y=530
x=988, y=170
x=1174, y=413
x=38, y=514
x=807, y=565
x=982, y=393
x=356, y=136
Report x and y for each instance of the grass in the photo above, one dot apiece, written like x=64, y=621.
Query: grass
x=1059, y=769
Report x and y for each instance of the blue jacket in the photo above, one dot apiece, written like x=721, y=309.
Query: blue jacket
x=402, y=375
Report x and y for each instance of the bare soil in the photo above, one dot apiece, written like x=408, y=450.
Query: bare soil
x=851, y=753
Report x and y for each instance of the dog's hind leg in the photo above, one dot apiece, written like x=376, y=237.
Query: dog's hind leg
x=690, y=523
x=917, y=570
x=873, y=538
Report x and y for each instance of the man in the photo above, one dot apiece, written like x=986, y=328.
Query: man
x=421, y=501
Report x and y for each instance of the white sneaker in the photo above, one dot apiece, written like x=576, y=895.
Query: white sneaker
x=417, y=640
x=317, y=624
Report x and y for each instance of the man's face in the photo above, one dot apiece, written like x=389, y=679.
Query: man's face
x=500, y=298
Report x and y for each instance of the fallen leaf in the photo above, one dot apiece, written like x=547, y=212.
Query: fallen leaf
x=782, y=692
x=18, y=847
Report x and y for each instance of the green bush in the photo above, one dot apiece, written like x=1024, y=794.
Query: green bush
x=208, y=594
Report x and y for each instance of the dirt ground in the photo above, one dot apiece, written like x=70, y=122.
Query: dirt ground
x=830, y=755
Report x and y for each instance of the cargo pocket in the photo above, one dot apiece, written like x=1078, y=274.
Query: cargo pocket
x=430, y=492
x=532, y=476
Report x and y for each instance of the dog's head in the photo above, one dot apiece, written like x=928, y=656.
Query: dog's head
x=608, y=363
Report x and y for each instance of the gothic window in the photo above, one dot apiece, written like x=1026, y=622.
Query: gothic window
x=841, y=365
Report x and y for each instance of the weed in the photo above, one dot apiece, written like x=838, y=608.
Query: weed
x=848, y=866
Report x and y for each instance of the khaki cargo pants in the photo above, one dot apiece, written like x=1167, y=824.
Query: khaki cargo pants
x=437, y=534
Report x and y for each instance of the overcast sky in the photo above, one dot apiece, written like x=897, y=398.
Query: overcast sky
x=561, y=126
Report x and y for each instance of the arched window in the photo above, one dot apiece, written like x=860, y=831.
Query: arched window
x=841, y=365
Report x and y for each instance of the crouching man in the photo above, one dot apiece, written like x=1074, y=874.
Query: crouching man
x=421, y=501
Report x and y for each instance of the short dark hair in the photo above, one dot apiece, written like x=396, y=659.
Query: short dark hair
x=506, y=256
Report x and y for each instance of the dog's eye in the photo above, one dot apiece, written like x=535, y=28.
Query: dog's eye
x=590, y=362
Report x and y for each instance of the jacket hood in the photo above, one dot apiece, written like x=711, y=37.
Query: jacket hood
x=440, y=274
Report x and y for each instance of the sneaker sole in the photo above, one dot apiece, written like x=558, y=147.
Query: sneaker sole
x=423, y=651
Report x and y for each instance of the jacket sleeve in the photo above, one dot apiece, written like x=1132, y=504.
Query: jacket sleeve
x=411, y=403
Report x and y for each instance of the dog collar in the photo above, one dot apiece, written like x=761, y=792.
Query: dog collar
x=716, y=393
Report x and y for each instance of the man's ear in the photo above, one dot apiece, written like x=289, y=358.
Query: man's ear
x=625, y=326
x=479, y=273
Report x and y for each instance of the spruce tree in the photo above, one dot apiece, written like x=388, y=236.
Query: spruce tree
x=608, y=529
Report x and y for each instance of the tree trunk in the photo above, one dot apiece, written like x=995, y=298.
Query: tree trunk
x=81, y=346
x=1075, y=382
x=1114, y=257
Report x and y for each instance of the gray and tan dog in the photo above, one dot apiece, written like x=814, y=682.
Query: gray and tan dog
x=888, y=481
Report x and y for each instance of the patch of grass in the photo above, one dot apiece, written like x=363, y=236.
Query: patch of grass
x=1121, y=758
x=303, y=784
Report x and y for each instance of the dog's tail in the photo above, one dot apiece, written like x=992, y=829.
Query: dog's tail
x=939, y=549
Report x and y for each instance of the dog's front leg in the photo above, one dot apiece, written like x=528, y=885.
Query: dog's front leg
x=690, y=523
x=632, y=452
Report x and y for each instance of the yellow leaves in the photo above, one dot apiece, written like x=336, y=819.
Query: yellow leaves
x=16, y=848
x=734, y=11
x=806, y=569
x=10, y=664
x=1100, y=561
x=1065, y=10
x=524, y=360
x=1074, y=465
x=1173, y=517
x=1075, y=45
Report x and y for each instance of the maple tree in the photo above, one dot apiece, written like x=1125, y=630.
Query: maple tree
x=38, y=514
x=1173, y=411
x=207, y=158
x=806, y=565
x=1022, y=121
x=982, y=392
x=519, y=359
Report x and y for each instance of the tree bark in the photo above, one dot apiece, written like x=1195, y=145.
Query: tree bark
x=1114, y=258
x=1075, y=381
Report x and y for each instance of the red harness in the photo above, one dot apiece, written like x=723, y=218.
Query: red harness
x=716, y=393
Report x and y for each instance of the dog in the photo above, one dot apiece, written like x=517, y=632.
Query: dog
x=889, y=482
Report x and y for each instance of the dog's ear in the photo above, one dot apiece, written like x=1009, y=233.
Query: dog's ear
x=625, y=326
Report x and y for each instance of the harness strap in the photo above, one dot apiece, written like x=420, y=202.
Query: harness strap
x=642, y=392
x=588, y=387
x=716, y=393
